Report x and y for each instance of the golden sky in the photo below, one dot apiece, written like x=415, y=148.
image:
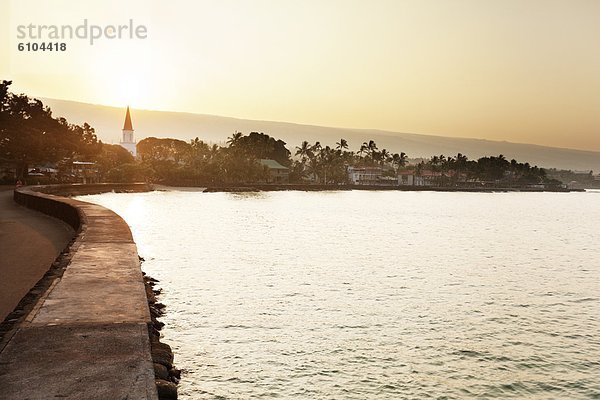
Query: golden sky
x=517, y=70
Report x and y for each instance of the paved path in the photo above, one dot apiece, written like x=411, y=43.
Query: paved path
x=87, y=337
x=29, y=243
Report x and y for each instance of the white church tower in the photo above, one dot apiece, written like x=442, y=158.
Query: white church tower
x=128, y=142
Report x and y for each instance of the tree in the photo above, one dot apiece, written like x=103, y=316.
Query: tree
x=29, y=134
x=384, y=156
x=261, y=146
x=460, y=165
x=370, y=149
x=111, y=158
x=342, y=145
x=165, y=158
x=399, y=160
x=304, y=151
x=234, y=139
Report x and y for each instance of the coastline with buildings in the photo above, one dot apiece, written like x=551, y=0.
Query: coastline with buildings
x=256, y=159
x=65, y=305
x=353, y=200
x=66, y=302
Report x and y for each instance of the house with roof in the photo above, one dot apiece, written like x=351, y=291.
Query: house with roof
x=370, y=176
x=85, y=171
x=412, y=178
x=277, y=172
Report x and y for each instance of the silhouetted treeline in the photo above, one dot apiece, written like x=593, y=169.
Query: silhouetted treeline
x=458, y=170
x=178, y=162
x=30, y=135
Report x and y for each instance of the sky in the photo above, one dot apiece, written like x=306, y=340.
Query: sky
x=523, y=71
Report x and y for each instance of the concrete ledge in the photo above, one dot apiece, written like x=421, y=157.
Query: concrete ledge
x=87, y=338
x=78, y=362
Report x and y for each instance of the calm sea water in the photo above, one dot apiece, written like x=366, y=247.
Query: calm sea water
x=376, y=295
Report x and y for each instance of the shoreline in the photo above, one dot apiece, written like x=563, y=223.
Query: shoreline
x=93, y=309
x=316, y=188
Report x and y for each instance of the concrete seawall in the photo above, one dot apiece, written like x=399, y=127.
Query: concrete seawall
x=87, y=336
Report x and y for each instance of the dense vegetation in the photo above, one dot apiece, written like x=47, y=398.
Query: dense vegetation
x=30, y=136
x=196, y=162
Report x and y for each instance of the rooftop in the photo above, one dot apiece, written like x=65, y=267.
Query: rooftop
x=272, y=164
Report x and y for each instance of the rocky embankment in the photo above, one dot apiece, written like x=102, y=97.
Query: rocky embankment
x=166, y=375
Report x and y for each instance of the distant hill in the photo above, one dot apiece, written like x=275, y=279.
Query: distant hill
x=108, y=122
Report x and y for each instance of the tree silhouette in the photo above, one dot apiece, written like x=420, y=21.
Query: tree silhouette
x=29, y=134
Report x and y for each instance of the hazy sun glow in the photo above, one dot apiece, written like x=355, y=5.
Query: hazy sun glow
x=523, y=71
x=116, y=83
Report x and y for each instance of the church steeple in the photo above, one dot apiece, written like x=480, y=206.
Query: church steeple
x=127, y=126
x=128, y=141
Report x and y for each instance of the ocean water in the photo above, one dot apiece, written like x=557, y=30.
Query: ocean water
x=375, y=295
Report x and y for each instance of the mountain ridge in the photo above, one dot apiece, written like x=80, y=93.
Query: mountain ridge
x=108, y=121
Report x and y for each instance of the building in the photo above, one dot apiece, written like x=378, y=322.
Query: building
x=127, y=141
x=85, y=171
x=411, y=178
x=365, y=175
x=277, y=172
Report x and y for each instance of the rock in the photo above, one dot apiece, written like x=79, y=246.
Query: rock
x=161, y=372
x=154, y=333
x=150, y=294
x=166, y=390
x=155, y=313
x=176, y=373
x=157, y=324
x=162, y=346
x=163, y=357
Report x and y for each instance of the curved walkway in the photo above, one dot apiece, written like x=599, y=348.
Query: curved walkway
x=29, y=243
x=87, y=337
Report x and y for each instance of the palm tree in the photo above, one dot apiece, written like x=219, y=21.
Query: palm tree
x=460, y=164
x=342, y=145
x=418, y=171
x=363, y=149
x=313, y=167
x=434, y=162
x=234, y=139
x=370, y=149
x=304, y=151
x=316, y=147
x=399, y=160
x=213, y=151
x=384, y=156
